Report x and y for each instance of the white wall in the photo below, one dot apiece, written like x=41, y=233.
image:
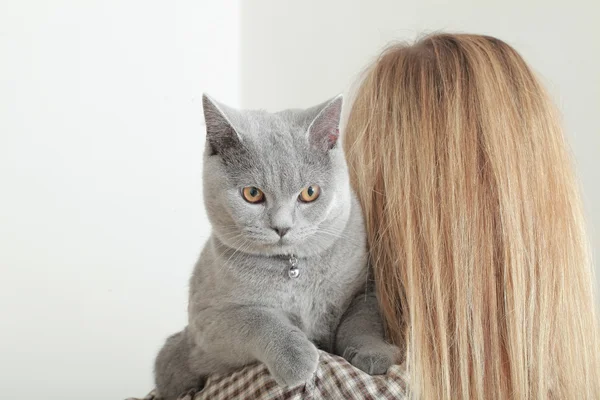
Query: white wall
x=101, y=215
x=296, y=54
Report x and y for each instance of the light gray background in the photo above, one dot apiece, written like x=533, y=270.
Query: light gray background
x=101, y=139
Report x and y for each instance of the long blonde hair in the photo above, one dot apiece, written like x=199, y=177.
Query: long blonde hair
x=475, y=225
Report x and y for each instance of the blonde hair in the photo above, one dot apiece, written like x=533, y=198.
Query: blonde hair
x=474, y=221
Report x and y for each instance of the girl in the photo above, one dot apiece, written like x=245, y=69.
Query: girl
x=475, y=231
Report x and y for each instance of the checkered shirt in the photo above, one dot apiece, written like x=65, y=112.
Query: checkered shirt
x=335, y=379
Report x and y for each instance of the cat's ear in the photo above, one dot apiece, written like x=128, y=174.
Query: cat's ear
x=220, y=133
x=324, y=131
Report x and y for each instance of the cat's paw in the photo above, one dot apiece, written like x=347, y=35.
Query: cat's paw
x=374, y=360
x=296, y=361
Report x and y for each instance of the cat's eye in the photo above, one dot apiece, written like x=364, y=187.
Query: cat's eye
x=309, y=193
x=253, y=194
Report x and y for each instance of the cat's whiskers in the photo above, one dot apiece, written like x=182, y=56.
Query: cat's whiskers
x=224, y=231
x=338, y=235
x=241, y=248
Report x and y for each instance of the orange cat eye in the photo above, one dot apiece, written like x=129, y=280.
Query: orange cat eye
x=253, y=194
x=310, y=193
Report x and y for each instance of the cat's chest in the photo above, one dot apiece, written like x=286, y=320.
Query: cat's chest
x=312, y=292
x=316, y=298
x=317, y=314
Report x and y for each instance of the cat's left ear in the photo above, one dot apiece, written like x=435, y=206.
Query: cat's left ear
x=220, y=133
x=324, y=130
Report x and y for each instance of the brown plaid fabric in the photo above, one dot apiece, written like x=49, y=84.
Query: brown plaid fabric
x=335, y=379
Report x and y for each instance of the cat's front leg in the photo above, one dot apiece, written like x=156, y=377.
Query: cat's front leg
x=244, y=334
x=360, y=337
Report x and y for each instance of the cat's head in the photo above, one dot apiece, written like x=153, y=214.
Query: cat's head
x=275, y=183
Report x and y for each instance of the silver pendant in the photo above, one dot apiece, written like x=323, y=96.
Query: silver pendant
x=294, y=271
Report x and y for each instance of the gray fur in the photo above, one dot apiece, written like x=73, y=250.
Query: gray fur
x=243, y=307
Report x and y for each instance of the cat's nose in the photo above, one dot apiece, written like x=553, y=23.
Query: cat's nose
x=281, y=231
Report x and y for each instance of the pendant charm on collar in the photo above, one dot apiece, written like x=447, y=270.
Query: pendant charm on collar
x=294, y=271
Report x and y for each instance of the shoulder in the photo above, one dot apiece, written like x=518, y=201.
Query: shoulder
x=335, y=378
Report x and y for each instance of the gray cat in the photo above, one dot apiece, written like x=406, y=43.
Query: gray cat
x=285, y=270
